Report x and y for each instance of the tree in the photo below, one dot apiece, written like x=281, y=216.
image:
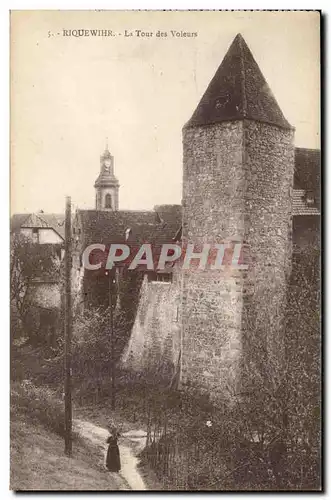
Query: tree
x=28, y=262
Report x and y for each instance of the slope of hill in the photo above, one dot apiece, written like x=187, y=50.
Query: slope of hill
x=38, y=462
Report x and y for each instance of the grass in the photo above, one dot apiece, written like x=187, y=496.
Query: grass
x=40, y=404
x=38, y=462
x=35, y=364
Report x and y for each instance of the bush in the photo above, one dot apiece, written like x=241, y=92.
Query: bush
x=38, y=403
x=193, y=445
x=93, y=349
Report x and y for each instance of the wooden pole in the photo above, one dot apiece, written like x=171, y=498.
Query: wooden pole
x=112, y=343
x=68, y=332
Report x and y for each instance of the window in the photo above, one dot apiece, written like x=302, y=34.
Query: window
x=166, y=277
x=310, y=199
x=128, y=232
x=108, y=201
x=163, y=277
x=35, y=238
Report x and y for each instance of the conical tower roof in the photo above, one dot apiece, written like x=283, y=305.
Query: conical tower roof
x=238, y=91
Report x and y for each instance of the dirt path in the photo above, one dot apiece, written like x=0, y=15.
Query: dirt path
x=98, y=436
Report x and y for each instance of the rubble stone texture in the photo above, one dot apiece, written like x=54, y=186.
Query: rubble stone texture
x=237, y=185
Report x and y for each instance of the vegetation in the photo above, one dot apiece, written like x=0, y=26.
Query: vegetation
x=265, y=438
x=30, y=262
x=196, y=446
x=38, y=462
x=41, y=404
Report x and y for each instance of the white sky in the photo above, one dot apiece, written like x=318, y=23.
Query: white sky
x=69, y=94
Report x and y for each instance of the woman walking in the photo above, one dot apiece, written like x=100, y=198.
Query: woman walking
x=113, y=461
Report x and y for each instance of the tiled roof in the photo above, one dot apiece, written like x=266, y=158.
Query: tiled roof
x=55, y=221
x=171, y=215
x=300, y=205
x=238, y=91
x=145, y=226
x=39, y=220
x=307, y=169
x=17, y=220
x=34, y=221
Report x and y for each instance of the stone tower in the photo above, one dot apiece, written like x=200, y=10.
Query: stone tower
x=106, y=185
x=237, y=181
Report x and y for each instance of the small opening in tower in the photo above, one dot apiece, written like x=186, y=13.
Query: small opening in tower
x=108, y=201
x=310, y=199
x=128, y=232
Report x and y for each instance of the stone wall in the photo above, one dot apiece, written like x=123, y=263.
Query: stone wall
x=269, y=166
x=213, y=210
x=154, y=345
x=237, y=185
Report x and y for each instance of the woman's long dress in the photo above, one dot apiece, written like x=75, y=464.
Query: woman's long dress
x=113, y=461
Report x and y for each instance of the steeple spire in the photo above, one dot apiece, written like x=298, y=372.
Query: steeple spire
x=106, y=185
x=238, y=91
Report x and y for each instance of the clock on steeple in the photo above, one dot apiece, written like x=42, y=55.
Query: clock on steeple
x=106, y=185
x=107, y=164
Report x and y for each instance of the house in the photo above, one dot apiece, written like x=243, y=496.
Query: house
x=42, y=228
x=37, y=251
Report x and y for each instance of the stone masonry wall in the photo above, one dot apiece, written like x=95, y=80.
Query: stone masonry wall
x=213, y=209
x=237, y=185
x=269, y=165
x=154, y=346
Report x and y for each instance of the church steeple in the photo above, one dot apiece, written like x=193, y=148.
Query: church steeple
x=106, y=185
